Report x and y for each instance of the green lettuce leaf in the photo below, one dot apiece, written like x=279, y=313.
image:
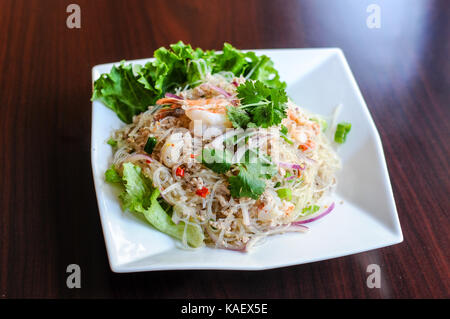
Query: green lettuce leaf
x=139, y=196
x=112, y=176
x=230, y=60
x=247, y=64
x=264, y=71
x=175, y=67
x=121, y=91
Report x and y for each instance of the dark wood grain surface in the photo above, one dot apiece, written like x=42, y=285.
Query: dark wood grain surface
x=48, y=211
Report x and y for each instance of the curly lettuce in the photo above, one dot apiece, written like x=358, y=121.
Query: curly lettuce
x=139, y=196
x=121, y=91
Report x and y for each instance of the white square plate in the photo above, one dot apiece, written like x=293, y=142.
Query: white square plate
x=318, y=79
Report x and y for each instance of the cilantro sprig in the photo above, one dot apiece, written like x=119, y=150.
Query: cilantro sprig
x=261, y=106
x=254, y=168
x=252, y=171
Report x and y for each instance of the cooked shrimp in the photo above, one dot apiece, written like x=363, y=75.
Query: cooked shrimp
x=172, y=149
x=169, y=100
x=301, y=130
x=211, y=112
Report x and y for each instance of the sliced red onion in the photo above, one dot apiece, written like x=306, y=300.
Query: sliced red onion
x=327, y=211
x=291, y=177
x=293, y=166
x=306, y=159
x=173, y=96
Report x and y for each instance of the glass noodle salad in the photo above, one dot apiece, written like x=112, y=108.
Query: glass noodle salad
x=213, y=151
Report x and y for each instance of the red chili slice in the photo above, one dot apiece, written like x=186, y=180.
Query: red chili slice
x=179, y=171
x=202, y=192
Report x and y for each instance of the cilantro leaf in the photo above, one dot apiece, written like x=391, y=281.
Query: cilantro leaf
x=253, y=92
x=253, y=169
x=216, y=160
x=264, y=106
x=245, y=184
x=238, y=117
x=258, y=163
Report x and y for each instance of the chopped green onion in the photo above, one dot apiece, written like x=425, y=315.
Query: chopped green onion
x=278, y=184
x=150, y=145
x=310, y=210
x=112, y=142
x=285, y=193
x=342, y=130
x=284, y=131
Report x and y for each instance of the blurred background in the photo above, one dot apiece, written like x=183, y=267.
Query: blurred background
x=48, y=212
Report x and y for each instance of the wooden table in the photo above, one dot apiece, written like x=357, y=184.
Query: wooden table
x=48, y=210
